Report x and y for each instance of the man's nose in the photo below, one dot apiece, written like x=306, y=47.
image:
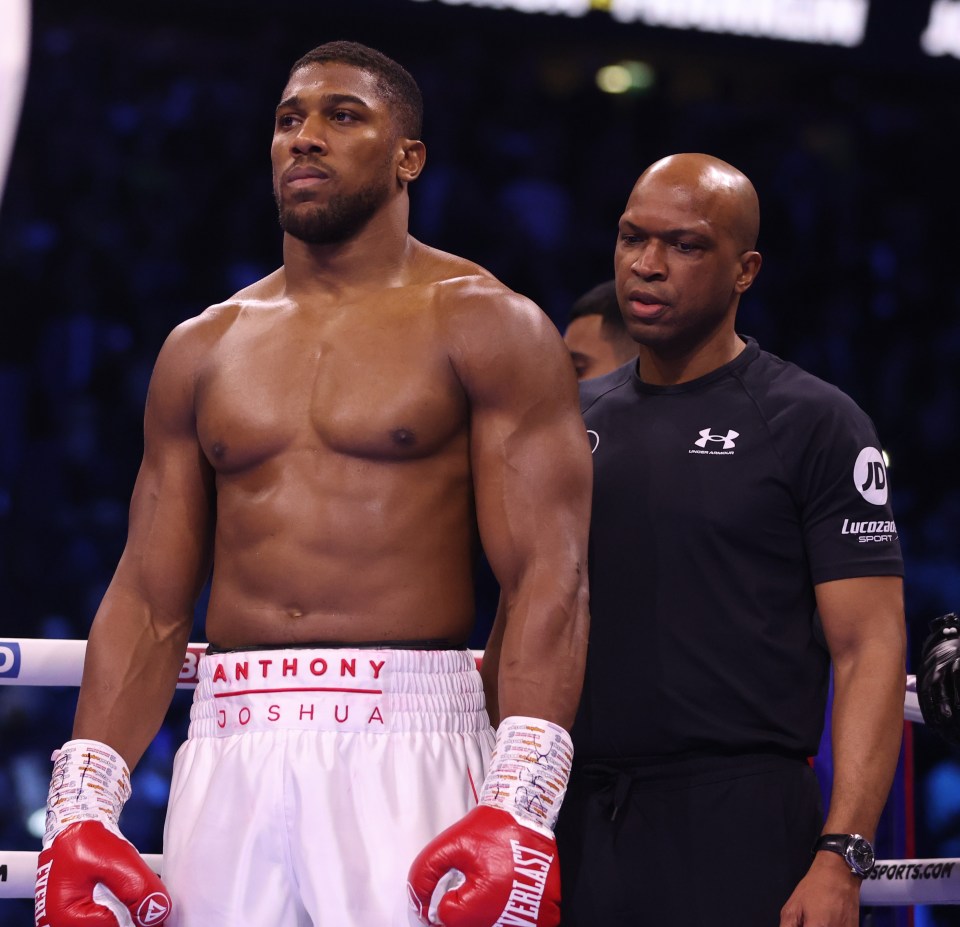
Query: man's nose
x=310, y=138
x=650, y=261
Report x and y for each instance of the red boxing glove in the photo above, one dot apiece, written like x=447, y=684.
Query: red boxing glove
x=487, y=870
x=498, y=866
x=90, y=877
x=89, y=874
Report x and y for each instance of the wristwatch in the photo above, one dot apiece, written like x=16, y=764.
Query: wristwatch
x=857, y=851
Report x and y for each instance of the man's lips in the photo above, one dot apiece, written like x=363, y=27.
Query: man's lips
x=645, y=305
x=305, y=176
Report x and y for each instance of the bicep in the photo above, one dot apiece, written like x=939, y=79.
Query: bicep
x=169, y=538
x=530, y=457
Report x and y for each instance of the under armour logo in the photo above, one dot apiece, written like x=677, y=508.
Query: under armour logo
x=727, y=439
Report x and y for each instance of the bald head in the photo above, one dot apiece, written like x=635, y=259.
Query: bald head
x=684, y=257
x=716, y=190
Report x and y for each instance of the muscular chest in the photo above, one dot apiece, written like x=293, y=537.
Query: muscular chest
x=381, y=389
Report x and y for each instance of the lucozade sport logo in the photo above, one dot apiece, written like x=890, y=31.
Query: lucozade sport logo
x=9, y=659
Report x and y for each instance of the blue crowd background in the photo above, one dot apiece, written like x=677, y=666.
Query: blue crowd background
x=139, y=193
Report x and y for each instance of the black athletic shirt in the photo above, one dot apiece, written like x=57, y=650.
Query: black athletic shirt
x=718, y=505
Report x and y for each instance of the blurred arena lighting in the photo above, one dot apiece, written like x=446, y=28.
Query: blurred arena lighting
x=942, y=35
x=564, y=7
x=626, y=77
x=823, y=22
x=37, y=822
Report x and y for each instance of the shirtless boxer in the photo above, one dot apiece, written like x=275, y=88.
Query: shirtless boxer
x=333, y=441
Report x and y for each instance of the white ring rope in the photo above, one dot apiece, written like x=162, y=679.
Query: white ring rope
x=18, y=871
x=36, y=662
x=897, y=881
x=911, y=704
x=912, y=881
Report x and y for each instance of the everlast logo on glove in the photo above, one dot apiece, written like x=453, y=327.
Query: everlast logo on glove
x=40, y=893
x=87, y=872
x=503, y=851
x=523, y=906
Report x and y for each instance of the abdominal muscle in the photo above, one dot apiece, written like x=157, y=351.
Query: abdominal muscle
x=362, y=552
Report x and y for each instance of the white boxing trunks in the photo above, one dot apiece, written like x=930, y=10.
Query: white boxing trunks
x=311, y=778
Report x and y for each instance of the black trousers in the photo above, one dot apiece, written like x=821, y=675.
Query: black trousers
x=700, y=842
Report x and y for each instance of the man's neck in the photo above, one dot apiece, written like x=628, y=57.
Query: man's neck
x=344, y=267
x=377, y=257
x=660, y=369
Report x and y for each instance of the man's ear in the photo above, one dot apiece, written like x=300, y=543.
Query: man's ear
x=750, y=262
x=413, y=157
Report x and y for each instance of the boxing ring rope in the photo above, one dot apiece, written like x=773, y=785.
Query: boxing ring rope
x=35, y=662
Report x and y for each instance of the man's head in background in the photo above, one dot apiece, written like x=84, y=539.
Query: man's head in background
x=596, y=335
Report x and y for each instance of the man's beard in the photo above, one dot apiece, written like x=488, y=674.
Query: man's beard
x=343, y=216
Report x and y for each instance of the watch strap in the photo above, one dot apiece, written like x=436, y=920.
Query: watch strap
x=842, y=844
x=836, y=843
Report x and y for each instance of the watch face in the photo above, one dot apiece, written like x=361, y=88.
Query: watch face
x=860, y=855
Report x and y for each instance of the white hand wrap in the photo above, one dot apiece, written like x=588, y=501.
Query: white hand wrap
x=89, y=782
x=529, y=771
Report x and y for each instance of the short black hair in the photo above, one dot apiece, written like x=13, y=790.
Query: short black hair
x=602, y=301
x=396, y=85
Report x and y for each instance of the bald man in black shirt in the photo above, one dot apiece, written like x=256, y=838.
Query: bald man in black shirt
x=741, y=541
